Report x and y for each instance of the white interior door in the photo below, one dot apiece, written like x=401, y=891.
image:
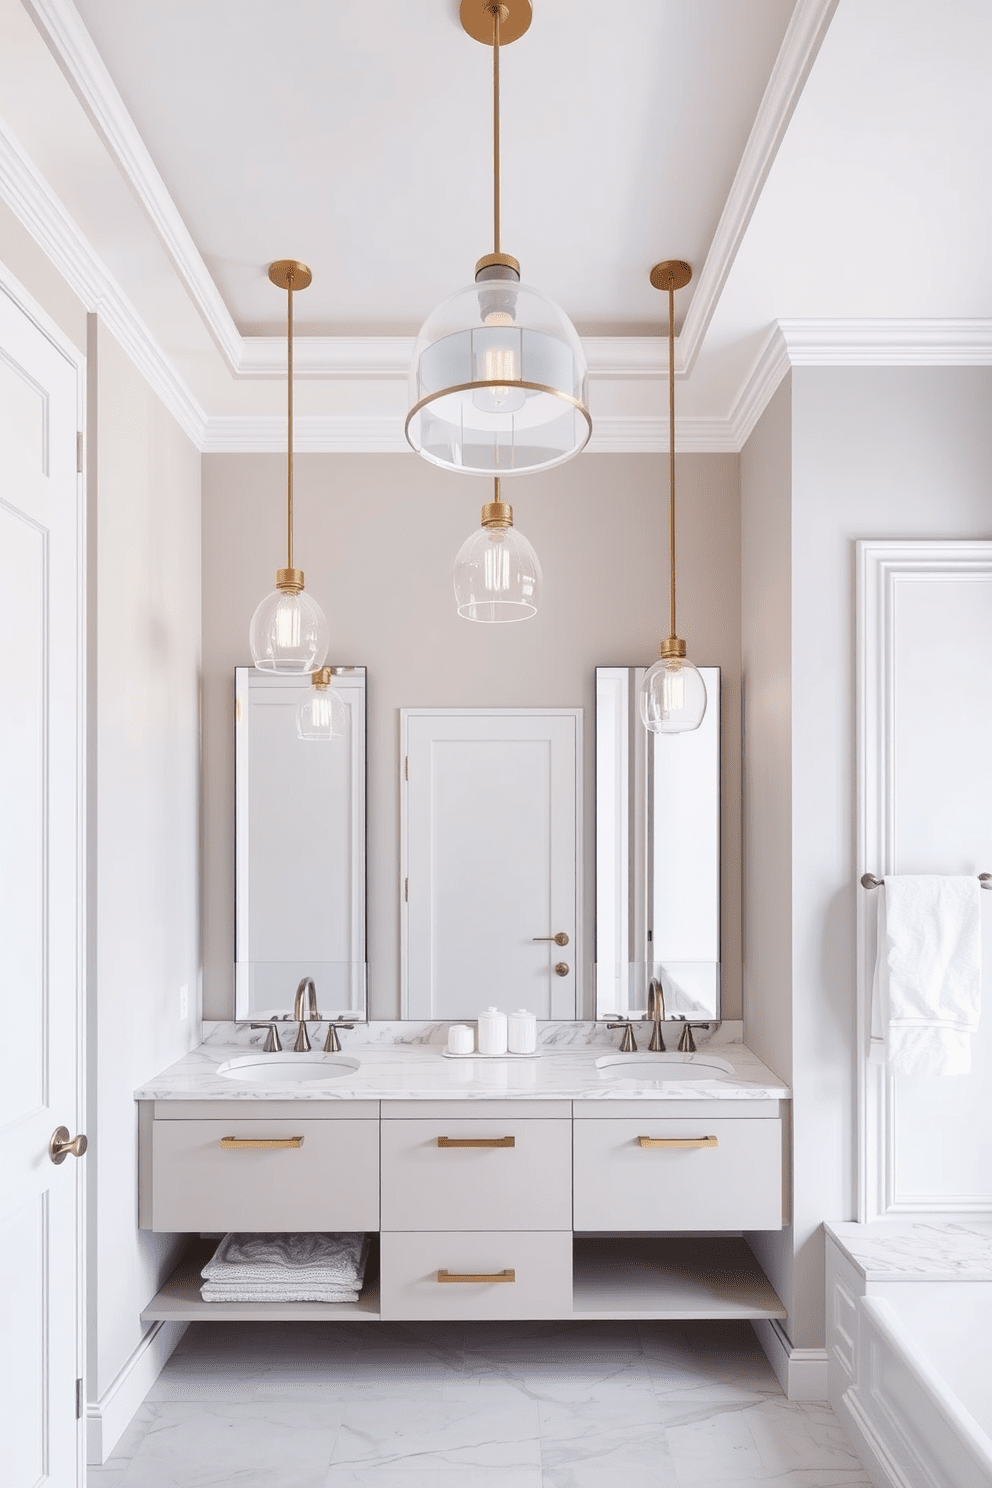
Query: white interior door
x=925, y=724
x=490, y=814
x=40, y=910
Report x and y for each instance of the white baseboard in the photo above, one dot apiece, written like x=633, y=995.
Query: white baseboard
x=108, y=1418
x=802, y=1373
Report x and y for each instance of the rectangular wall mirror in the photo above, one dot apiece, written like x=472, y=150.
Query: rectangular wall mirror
x=657, y=854
x=299, y=849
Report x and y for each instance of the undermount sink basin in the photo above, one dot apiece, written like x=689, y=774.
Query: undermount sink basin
x=654, y=1068
x=288, y=1067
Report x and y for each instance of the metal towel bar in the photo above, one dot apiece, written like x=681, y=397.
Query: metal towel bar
x=869, y=881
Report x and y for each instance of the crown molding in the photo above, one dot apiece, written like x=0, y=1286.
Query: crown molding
x=770, y=366
x=609, y=358
x=382, y=435
x=67, y=38
x=32, y=201
x=888, y=343
x=802, y=41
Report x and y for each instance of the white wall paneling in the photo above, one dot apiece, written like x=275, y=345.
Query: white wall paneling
x=925, y=806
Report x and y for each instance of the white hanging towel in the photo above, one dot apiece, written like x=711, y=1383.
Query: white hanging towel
x=927, y=991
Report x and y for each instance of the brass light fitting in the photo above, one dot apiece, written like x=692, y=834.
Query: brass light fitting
x=671, y=275
x=291, y=275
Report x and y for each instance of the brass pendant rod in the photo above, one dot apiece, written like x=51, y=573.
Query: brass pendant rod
x=671, y=439
x=289, y=434
x=496, y=9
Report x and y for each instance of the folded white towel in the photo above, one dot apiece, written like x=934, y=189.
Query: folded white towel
x=326, y=1259
x=213, y=1291
x=926, y=996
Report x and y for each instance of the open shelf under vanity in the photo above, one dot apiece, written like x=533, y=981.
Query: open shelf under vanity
x=612, y=1277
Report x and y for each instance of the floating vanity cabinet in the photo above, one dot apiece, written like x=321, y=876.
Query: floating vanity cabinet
x=476, y=1210
x=688, y=1169
x=208, y=1165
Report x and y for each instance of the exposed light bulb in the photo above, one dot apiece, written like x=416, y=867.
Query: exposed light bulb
x=673, y=697
x=672, y=689
x=287, y=623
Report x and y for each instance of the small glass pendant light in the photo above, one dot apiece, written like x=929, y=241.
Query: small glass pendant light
x=498, y=383
x=288, y=631
x=673, y=694
x=497, y=575
x=321, y=713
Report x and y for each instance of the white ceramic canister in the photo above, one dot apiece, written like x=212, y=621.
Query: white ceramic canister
x=522, y=1032
x=492, y=1031
x=461, y=1039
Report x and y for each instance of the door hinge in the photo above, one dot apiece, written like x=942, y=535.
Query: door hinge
x=406, y=891
x=406, y=767
x=79, y=451
x=79, y=1400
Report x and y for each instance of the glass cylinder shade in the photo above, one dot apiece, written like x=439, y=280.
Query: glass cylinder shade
x=321, y=714
x=498, y=383
x=497, y=576
x=288, y=633
x=673, y=697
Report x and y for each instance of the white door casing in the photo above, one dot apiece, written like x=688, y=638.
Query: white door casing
x=489, y=848
x=41, y=882
x=924, y=806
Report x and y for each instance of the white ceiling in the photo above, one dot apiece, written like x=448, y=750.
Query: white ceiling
x=820, y=164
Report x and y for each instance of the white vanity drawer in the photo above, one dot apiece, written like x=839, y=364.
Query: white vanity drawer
x=734, y=1182
x=505, y=1275
x=475, y=1174
x=328, y=1182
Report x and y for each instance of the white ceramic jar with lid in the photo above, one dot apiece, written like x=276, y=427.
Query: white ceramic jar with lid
x=522, y=1032
x=461, y=1039
x=492, y=1031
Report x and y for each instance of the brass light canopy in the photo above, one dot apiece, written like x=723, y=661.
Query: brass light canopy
x=673, y=694
x=288, y=631
x=498, y=383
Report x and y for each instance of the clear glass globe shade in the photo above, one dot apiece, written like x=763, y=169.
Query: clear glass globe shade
x=288, y=633
x=321, y=714
x=498, y=382
x=497, y=576
x=673, y=697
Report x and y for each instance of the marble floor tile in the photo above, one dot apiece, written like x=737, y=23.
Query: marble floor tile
x=778, y=1442
x=448, y=1438
x=431, y=1477
x=615, y=1444
x=276, y=1445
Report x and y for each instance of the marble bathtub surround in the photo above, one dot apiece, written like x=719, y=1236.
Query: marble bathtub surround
x=891, y=1250
x=411, y=1066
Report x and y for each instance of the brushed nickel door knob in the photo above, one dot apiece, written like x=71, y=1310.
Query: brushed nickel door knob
x=562, y=968
x=60, y=1146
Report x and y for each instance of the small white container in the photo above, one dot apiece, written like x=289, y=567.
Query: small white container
x=492, y=1031
x=522, y=1032
x=461, y=1039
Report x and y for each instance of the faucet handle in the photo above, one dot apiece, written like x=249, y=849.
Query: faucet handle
x=628, y=1044
x=687, y=1044
x=332, y=1044
x=273, y=1043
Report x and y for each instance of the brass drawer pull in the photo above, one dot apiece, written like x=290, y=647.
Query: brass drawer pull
x=678, y=1141
x=476, y=1141
x=230, y=1142
x=477, y=1277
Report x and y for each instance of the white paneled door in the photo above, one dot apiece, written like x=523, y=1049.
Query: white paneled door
x=490, y=836
x=40, y=897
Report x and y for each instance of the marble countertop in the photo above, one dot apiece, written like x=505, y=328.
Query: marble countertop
x=404, y=1061
x=903, y=1250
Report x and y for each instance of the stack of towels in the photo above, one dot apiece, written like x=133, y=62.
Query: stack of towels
x=286, y=1268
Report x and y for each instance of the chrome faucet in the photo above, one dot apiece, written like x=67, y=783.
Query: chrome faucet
x=687, y=1044
x=656, y=1012
x=273, y=1043
x=332, y=1044
x=302, y=1038
x=628, y=1044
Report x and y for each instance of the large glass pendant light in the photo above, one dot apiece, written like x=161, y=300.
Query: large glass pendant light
x=673, y=694
x=497, y=574
x=321, y=713
x=288, y=631
x=498, y=384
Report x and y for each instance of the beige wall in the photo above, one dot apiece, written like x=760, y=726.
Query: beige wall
x=766, y=653
x=376, y=535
